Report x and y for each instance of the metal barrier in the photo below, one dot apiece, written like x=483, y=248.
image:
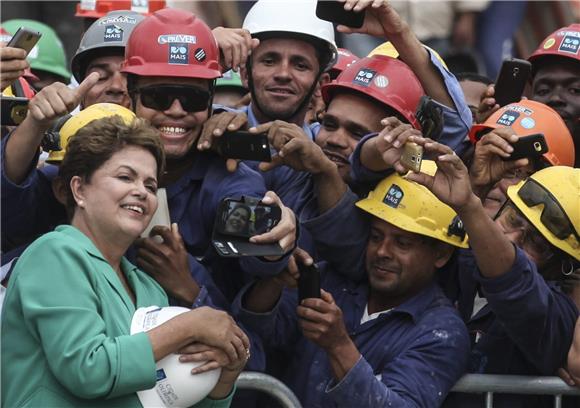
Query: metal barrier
x=250, y=380
x=514, y=384
x=470, y=383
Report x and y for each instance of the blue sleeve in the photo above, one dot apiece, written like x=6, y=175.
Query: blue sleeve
x=420, y=377
x=458, y=121
x=538, y=318
x=29, y=208
x=277, y=328
x=359, y=174
x=340, y=235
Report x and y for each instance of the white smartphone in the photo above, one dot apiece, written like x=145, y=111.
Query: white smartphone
x=161, y=216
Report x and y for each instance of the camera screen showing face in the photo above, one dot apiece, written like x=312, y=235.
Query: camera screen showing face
x=244, y=220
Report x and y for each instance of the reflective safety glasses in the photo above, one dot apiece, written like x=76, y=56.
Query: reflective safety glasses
x=553, y=216
x=161, y=97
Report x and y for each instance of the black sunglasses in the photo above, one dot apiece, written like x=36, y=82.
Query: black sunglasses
x=161, y=97
x=553, y=215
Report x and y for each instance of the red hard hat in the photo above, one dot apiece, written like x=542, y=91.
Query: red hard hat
x=564, y=42
x=528, y=117
x=387, y=80
x=345, y=58
x=172, y=43
x=99, y=8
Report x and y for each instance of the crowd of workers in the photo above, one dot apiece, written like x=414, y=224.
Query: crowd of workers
x=468, y=264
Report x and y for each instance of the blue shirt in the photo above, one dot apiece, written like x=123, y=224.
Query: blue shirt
x=410, y=356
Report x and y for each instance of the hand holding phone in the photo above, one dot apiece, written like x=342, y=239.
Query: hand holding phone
x=334, y=12
x=245, y=146
x=24, y=38
x=238, y=220
x=308, y=282
x=531, y=146
x=511, y=81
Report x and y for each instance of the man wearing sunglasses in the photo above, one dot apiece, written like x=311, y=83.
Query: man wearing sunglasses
x=522, y=322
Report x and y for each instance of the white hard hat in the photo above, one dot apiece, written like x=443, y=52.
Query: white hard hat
x=175, y=386
x=278, y=18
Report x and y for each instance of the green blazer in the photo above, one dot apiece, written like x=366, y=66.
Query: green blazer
x=65, y=328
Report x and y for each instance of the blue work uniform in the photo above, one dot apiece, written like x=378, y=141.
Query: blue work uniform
x=411, y=355
x=526, y=327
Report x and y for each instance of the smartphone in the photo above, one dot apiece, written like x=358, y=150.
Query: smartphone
x=430, y=116
x=334, y=12
x=246, y=218
x=245, y=146
x=308, y=282
x=14, y=110
x=529, y=146
x=412, y=156
x=24, y=38
x=161, y=216
x=511, y=81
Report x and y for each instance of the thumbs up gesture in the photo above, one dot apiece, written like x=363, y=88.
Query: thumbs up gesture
x=57, y=100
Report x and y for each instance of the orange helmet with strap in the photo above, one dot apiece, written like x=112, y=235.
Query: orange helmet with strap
x=527, y=118
x=564, y=42
x=387, y=80
x=172, y=43
x=99, y=8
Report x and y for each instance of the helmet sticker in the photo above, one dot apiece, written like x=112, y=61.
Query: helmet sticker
x=381, y=81
x=176, y=38
x=117, y=20
x=160, y=375
x=528, y=123
x=178, y=54
x=570, y=44
x=200, y=54
x=549, y=43
x=364, y=77
x=394, y=196
x=113, y=33
x=508, y=118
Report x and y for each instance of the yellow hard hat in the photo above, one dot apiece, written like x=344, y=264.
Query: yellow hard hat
x=83, y=118
x=389, y=50
x=550, y=200
x=413, y=208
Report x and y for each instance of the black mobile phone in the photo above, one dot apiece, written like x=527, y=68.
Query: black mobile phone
x=14, y=110
x=245, y=146
x=529, y=146
x=511, y=81
x=245, y=218
x=24, y=38
x=430, y=116
x=308, y=282
x=334, y=12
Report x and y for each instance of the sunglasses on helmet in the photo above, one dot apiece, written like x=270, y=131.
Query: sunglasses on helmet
x=161, y=97
x=553, y=216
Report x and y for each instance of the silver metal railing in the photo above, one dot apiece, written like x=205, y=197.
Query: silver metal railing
x=470, y=383
x=249, y=380
x=489, y=385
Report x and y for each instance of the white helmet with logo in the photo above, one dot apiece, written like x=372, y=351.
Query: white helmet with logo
x=294, y=19
x=175, y=386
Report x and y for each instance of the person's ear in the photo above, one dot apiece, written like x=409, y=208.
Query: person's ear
x=443, y=253
x=77, y=185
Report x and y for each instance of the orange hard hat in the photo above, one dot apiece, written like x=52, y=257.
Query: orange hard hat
x=99, y=8
x=528, y=117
